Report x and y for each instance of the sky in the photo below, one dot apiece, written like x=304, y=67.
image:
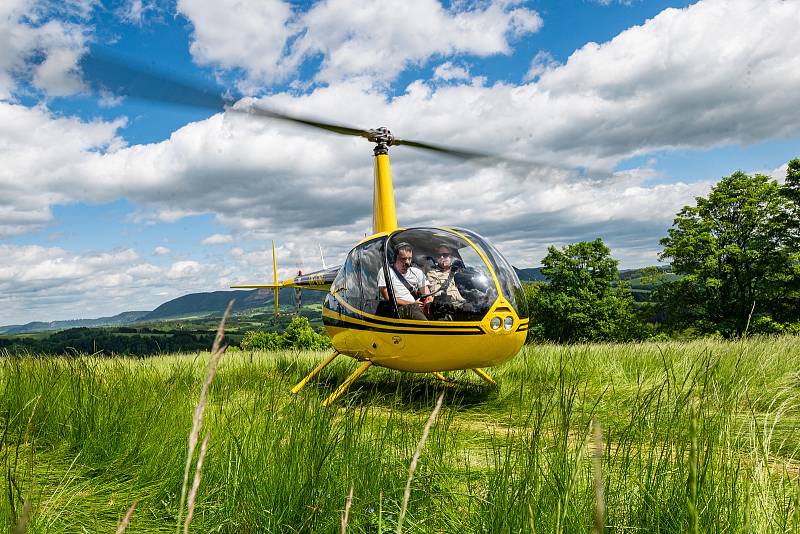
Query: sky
x=613, y=114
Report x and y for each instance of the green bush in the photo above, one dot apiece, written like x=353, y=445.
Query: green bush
x=256, y=340
x=765, y=325
x=299, y=335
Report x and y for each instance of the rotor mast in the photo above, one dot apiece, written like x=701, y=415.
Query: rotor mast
x=384, y=214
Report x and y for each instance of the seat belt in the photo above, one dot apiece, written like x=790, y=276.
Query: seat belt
x=446, y=284
x=414, y=292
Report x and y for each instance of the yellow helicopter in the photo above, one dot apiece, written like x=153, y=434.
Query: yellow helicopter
x=424, y=300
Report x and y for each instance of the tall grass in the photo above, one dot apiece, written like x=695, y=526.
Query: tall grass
x=700, y=436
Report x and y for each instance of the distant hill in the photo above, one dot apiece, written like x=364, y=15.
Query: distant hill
x=192, y=305
x=122, y=319
x=531, y=275
x=215, y=302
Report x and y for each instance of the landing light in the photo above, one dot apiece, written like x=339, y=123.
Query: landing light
x=495, y=323
x=508, y=323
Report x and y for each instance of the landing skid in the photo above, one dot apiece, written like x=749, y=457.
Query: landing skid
x=363, y=367
x=447, y=381
x=480, y=372
x=341, y=389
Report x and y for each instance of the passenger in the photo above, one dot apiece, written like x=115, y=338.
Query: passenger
x=409, y=284
x=443, y=288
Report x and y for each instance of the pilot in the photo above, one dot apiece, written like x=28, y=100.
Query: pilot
x=409, y=284
x=443, y=288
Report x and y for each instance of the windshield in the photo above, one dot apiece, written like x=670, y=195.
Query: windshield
x=435, y=275
x=506, y=275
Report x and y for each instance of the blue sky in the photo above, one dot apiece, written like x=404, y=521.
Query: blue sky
x=629, y=109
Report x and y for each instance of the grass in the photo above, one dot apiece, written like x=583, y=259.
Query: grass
x=698, y=436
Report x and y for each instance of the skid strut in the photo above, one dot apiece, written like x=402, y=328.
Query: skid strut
x=346, y=384
x=486, y=378
x=447, y=381
x=300, y=385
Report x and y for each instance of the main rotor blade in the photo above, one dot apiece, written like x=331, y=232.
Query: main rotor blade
x=108, y=74
x=261, y=111
x=450, y=151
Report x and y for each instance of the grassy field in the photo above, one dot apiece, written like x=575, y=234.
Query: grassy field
x=685, y=437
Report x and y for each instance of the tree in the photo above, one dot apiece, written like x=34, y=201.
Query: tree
x=580, y=302
x=791, y=187
x=734, y=251
x=791, y=192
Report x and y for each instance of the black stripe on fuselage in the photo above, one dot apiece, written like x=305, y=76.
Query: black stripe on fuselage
x=353, y=326
x=438, y=325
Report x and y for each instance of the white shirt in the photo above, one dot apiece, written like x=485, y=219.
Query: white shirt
x=415, y=278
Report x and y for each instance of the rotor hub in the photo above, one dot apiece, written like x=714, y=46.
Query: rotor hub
x=382, y=138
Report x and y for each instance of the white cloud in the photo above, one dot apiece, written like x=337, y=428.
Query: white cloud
x=135, y=11
x=448, y=71
x=49, y=283
x=42, y=161
x=370, y=40
x=682, y=79
x=184, y=270
x=25, y=31
x=217, y=239
x=160, y=251
x=251, y=34
x=542, y=62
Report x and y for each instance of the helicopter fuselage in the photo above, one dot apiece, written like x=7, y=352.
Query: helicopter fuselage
x=475, y=316
x=484, y=325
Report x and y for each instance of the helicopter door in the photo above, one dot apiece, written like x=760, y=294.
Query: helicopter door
x=357, y=281
x=369, y=261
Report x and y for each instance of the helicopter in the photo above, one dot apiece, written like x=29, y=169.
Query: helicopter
x=363, y=311
x=476, y=318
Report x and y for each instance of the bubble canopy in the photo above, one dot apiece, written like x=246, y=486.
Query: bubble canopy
x=450, y=271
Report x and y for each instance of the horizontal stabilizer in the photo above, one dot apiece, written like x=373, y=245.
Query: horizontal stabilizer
x=319, y=280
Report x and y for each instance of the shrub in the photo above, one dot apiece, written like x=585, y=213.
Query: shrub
x=299, y=335
x=256, y=340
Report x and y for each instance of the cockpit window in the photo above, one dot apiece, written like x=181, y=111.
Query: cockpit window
x=435, y=275
x=355, y=283
x=507, y=276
